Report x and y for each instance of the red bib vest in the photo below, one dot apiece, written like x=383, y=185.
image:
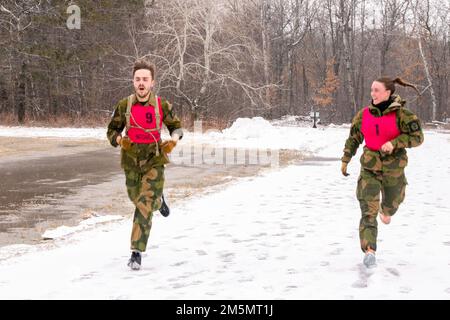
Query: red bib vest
x=144, y=128
x=379, y=130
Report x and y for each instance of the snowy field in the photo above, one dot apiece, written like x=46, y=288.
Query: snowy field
x=289, y=233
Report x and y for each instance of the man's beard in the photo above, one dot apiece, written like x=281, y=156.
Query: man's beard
x=145, y=93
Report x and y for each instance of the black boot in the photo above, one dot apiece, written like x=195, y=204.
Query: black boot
x=135, y=261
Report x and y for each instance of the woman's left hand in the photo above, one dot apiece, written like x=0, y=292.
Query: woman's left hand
x=388, y=147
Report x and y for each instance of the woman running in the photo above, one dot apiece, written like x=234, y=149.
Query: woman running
x=388, y=128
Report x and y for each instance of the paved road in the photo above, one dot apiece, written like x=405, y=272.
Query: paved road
x=46, y=183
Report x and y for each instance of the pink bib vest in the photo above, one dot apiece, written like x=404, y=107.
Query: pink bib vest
x=378, y=130
x=143, y=129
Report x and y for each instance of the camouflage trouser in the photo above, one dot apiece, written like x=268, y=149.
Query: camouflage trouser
x=145, y=190
x=392, y=186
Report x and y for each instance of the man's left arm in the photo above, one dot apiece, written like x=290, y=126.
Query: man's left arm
x=172, y=122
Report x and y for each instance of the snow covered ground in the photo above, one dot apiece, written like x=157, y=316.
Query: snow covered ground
x=289, y=233
x=27, y=132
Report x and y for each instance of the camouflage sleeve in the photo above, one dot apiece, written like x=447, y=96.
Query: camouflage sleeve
x=411, y=130
x=355, y=138
x=117, y=123
x=172, y=122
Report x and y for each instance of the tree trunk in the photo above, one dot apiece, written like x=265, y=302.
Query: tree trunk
x=266, y=48
x=430, y=82
x=425, y=65
x=347, y=58
x=305, y=89
x=21, y=86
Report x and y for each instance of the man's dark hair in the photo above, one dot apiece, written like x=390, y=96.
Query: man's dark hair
x=144, y=64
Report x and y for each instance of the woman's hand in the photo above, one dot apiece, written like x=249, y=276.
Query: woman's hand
x=388, y=147
x=344, y=169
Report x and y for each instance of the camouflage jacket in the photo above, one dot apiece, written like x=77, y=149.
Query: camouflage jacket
x=411, y=136
x=142, y=157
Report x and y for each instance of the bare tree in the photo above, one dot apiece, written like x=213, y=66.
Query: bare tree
x=219, y=60
x=344, y=15
x=392, y=15
x=202, y=56
x=421, y=17
x=16, y=17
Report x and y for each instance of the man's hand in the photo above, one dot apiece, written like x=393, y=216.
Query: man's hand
x=388, y=148
x=344, y=169
x=168, y=145
x=124, y=143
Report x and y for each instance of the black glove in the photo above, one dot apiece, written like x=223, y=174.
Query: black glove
x=165, y=211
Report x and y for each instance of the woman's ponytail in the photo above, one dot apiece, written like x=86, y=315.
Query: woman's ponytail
x=403, y=83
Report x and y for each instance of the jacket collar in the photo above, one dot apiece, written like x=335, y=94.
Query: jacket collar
x=397, y=103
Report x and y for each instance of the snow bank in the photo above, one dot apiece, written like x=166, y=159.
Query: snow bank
x=258, y=133
x=41, y=132
x=247, y=133
x=64, y=231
